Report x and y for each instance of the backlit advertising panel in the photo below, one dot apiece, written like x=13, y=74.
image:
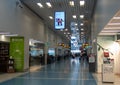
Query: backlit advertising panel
x=59, y=20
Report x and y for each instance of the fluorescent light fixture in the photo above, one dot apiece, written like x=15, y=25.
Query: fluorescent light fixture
x=48, y=4
x=74, y=16
x=3, y=37
x=11, y=35
x=116, y=17
x=4, y=33
x=71, y=3
x=113, y=23
x=32, y=41
x=82, y=3
x=50, y=17
x=81, y=16
x=40, y=5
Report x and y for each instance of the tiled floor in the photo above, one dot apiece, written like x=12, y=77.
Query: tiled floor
x=98, y=78
x=68, y=72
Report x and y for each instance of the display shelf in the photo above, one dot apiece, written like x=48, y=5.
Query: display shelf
x=4, y=56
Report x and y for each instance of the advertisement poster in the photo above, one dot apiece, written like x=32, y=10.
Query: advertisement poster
x=17, y=52
x=59, y=20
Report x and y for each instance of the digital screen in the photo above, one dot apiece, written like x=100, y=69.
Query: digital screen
x=59, y=20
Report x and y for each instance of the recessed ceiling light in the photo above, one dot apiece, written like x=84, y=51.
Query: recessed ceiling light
x=66, y=29
x=76, y=24
x=81, y=24
x=11, y=35
x=74, y=16
x=81, y=16
x=4, y=33
x=68, y=33
x=50, y=17
x=48, y=4
x=82, y=3
x=40, y=5
x=71, y=3
x=82, y=29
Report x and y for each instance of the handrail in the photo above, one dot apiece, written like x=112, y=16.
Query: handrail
x=104, y=49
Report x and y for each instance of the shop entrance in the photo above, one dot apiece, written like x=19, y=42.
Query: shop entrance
x=36, y=56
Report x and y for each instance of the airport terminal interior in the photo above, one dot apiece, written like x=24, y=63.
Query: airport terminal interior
x=59, y=42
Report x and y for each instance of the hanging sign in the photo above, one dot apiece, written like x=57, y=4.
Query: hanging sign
x=106, y=54
x=59, y=20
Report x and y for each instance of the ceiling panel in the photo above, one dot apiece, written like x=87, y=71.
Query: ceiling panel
x=63, y=5
x=113, y=26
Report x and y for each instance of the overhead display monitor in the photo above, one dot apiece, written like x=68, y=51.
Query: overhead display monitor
x=59, y=20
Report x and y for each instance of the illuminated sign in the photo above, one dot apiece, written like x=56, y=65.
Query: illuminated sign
x=59, y=20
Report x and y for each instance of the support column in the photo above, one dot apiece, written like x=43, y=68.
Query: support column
x=46, y=52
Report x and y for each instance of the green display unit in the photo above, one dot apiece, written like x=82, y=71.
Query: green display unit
x=17, y=52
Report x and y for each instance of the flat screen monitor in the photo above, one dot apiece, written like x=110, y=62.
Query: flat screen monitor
x=59, y=20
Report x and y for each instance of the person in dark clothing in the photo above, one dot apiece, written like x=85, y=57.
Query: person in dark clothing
x=83, y=55
x=73, y=56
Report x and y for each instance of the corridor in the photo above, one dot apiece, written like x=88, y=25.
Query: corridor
x=66, y=72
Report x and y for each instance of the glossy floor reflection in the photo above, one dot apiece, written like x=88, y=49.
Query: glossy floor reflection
x=66, y=72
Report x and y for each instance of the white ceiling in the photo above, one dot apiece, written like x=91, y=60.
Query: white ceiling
x=63, y=5
x=113, y=26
